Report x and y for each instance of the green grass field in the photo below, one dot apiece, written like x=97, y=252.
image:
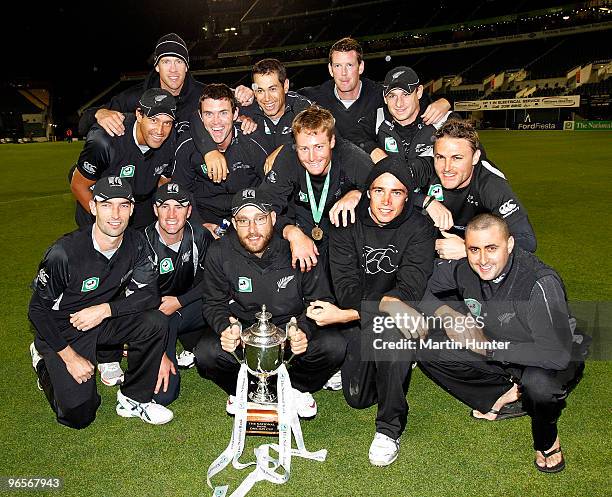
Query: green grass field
x=563, y=178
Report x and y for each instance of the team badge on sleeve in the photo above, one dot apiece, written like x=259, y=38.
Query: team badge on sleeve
x=436, y=192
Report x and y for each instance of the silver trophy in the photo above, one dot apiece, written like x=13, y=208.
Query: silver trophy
x=264, y=348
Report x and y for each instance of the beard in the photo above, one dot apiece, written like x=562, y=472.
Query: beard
x=262, y=243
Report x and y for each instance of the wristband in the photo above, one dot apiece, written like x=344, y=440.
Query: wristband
x=428, y=201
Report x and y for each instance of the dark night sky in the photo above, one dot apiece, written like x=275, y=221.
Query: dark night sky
x=80, y=48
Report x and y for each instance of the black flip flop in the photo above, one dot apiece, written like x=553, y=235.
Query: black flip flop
x=553, y=469
x=511, y=410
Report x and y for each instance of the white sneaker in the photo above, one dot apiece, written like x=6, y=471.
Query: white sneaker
x=149, y=412
x=334, y=383
x=36, y=357
x=111, y=373
x=383, y=450
x=185, y=359
x=305, y=403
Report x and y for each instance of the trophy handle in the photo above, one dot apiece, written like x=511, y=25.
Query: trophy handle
x=239, y=324
x=291, y=324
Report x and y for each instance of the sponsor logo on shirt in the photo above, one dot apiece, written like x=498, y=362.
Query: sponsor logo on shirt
x=470, y=200
x=271, y=177
x=204, y=168
x=286, y=130
x=423, y=148
x=127, y=171
x=185, y=257
x=165, y=266
x=390, y=144
x=43, y=277
x=508, y=208
x=240, y=165
x=89, y=167
x=378, y=260
x=303, y=197
x=90, y=284
x=436, y=192
x=283, y=282
x=474, y=306
x=266, y=129
x=245, y=285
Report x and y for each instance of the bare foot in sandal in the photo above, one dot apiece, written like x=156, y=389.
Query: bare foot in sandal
x=551, y=460
x=508, y=397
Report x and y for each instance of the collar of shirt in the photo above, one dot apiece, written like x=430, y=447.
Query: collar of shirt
x=143, y=148
x=106, y=253
x=174, y=247
x=348, y=102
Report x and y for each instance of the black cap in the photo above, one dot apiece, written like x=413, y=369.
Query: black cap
x=112, y=187
x=252, y=197
x=156, y=101
x=395, y=166
x=171, y=45
x=172, y=191
x=401, y=77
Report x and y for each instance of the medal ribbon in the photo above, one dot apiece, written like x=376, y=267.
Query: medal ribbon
x=317, y=210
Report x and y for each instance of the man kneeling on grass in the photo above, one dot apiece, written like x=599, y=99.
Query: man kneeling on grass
x=96, y=287
x=520, y=341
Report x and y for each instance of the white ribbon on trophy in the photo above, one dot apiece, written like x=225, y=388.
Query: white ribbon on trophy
x=275, y=470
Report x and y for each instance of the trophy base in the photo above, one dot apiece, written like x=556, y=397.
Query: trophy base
x=262, y=419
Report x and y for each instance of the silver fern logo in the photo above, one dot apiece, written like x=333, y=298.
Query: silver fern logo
x=283, y=282
x=505, y=318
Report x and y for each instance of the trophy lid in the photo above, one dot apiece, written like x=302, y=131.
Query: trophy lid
x=264, y=332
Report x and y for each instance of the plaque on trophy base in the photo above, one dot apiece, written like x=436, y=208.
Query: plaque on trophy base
x=262, y=419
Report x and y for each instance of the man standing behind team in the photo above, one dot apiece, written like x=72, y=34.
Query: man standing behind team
x=142, y=157
x=244, y=154
x=349, y=96
x=171, y=66
x=275, y=106
x=397, y=127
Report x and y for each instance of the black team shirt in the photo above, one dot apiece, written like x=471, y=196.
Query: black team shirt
x=245, y=158
x=237, y=283
x=287, y=187
x=104, y=156
x=369, y=261
x=74, y=275
x=180, y=272
x=487, y=192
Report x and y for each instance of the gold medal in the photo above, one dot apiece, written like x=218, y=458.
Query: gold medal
x=317, y=233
